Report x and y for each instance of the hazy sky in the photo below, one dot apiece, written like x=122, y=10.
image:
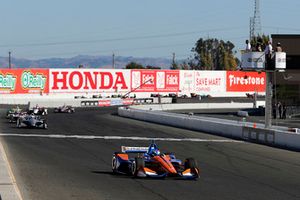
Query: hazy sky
x=141, y=28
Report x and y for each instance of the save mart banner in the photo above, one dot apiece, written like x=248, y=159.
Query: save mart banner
x=214, y=83
x=24, y=81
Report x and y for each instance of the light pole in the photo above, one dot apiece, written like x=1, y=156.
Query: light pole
x=9, y=60
x=268, y=100
x=113, y=61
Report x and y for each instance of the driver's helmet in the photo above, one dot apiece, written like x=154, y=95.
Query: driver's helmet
x=156, y=152
x=153, y=150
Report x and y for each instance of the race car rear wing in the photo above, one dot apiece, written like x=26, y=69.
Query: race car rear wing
x=126, y=149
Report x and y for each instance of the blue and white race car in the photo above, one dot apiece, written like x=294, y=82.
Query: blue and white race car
x=32, y=121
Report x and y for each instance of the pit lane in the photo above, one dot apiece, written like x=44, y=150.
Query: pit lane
x=76, y=168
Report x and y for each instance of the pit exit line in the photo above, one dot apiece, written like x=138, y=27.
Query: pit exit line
x=92, y=137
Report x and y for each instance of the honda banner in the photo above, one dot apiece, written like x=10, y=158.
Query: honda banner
x=89, y=80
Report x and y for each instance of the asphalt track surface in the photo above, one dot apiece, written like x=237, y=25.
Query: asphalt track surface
x=49, y=165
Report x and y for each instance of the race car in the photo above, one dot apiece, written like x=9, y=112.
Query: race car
x=64, y=109
x=13, y=117
x=38, y=110
x=149, y=162
x=32, y=121
x=12, y=111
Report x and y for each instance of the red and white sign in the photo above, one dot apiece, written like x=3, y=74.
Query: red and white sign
x=202, y=82
x=155, y=80
x=88, y=80
x=128, y=101
x=209, y=82
x=103, y=103
x=214, y=83
x=24, y=81
x=238, y=81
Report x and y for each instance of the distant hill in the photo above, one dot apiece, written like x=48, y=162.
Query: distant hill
x=86, y=61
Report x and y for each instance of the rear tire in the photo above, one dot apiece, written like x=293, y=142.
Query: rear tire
x=137, y=164
x=19, y=123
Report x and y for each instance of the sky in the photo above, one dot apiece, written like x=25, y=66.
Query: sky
x=36, y=29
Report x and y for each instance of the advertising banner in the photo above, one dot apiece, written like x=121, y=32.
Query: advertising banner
x=89, y=80
x=24, y=81
x=214, y=83
x=238, y=81
x=187, y=81
x=203, y=82
x=253, y=60
x=209, y=82
x=280, y=60
x=155, y=80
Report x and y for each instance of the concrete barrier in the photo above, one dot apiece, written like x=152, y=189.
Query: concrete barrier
x=189, y=106
x=56, y=100
x=254, y=132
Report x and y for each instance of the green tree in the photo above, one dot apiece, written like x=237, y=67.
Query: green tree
x=134, y=65
x=212, y=54
x=152, y=67
x=174, y=66
x=261, y=40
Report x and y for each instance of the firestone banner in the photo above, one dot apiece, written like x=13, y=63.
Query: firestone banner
x=22, y=81
x=238, y=81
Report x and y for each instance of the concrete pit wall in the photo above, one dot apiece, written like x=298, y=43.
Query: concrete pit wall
x=235, y=129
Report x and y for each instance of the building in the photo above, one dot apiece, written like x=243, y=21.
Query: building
x=287, y=84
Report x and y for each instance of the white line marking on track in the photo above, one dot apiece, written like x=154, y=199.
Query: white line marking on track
x=10, y=172
x=92, y=137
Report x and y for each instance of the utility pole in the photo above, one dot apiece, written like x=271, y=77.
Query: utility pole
x=268, y=100
x=9, y=60
x=173, y=60
x=113, y=61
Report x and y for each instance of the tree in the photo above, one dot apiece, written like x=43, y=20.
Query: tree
x=133, y=65
x=174, y=66
x=261, y=40
x=152, y=67
x=212, y=54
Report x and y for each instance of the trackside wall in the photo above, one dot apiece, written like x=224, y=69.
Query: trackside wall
x=35, y=82
x=278, y=136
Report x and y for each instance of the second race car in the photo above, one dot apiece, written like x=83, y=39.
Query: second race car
x=64, y=109
x=32, y=121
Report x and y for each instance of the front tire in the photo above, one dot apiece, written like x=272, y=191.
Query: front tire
x=114, y=164
x=137, y=165
x=190, y=163
x=45, y=126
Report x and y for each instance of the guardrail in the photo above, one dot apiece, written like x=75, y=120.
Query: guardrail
x=254, y=132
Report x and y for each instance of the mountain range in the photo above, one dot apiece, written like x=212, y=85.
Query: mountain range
x=86, y=61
